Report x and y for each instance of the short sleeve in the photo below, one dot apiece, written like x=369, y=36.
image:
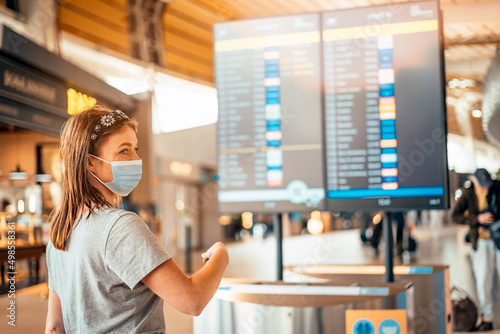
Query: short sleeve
x=132, y=250
x=48, y=251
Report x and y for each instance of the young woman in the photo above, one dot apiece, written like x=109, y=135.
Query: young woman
x=107, y=272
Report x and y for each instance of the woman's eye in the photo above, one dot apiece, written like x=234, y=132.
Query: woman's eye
x=125, y=151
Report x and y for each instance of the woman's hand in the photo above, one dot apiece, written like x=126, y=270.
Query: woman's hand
x=485, y=218
x=217, y=248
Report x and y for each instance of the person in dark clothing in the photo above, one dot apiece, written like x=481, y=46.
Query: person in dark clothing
x=365, y=219
x=478, y=206
x=377, y=233
x=5, y=204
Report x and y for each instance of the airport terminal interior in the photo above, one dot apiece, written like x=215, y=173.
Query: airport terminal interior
x=346, y=152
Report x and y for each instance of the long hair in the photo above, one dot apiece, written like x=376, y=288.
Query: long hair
x=78, y=192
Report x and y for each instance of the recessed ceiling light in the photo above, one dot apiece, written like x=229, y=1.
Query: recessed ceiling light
x=477, y=113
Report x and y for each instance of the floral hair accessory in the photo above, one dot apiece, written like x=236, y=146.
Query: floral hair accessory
x=106, y=122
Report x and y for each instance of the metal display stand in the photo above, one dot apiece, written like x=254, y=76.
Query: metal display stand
x=389, y=245
x=278, y=232
x=189, y=267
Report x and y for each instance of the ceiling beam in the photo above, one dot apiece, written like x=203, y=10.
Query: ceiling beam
x=471, y=13
x=473, y=41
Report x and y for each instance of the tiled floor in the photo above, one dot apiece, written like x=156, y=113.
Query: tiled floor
x=256, y=259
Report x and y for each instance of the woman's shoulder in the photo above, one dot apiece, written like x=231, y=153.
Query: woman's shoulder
x=111, y=216
x=107, y=211
x=119, y=216
x=127, y=223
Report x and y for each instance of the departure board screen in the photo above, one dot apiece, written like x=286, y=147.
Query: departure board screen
x=268, y=79
x=384, y=108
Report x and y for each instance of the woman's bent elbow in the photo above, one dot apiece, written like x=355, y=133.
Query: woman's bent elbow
x=196, y=312
x=54, y=329
x=196, y=309
x=193, y=308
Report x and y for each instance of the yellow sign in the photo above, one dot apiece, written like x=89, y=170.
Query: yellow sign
x=77, y=102
x=263, y=41
x=380, y=30
x=375, y=322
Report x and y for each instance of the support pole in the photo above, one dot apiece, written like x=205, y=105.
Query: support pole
x=389, y=247
x=189, y=269
x=278, y=233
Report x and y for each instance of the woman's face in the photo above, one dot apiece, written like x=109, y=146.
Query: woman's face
x=121, y=145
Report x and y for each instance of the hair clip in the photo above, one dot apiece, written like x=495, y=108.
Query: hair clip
x=106, y=121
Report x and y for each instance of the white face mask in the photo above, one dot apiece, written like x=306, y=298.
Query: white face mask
x=126, y=175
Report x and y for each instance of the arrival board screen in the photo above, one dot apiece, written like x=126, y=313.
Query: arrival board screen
x=268, y=78
x=384, y=108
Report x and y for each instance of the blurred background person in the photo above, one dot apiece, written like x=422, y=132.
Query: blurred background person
x=478, y=207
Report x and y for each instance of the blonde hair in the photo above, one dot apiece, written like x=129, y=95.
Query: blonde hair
x=74, y=146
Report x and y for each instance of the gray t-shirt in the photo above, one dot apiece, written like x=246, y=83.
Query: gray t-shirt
x=98, y=278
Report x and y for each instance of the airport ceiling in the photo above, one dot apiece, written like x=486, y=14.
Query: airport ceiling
x=471, y=33
x=471, y=27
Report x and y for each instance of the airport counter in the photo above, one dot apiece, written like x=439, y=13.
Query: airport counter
x=251, y=307
x=431, y=311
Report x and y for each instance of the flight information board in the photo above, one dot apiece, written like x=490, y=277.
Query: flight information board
x=384, y=108
x=268, y=78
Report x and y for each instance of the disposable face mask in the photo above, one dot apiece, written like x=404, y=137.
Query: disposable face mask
x=126, y=175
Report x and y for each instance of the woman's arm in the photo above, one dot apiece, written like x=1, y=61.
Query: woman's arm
x=54, y=324
x=189, y=295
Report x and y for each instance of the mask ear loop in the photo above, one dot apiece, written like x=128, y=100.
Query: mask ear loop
x=98, y=179
x=93, y=156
